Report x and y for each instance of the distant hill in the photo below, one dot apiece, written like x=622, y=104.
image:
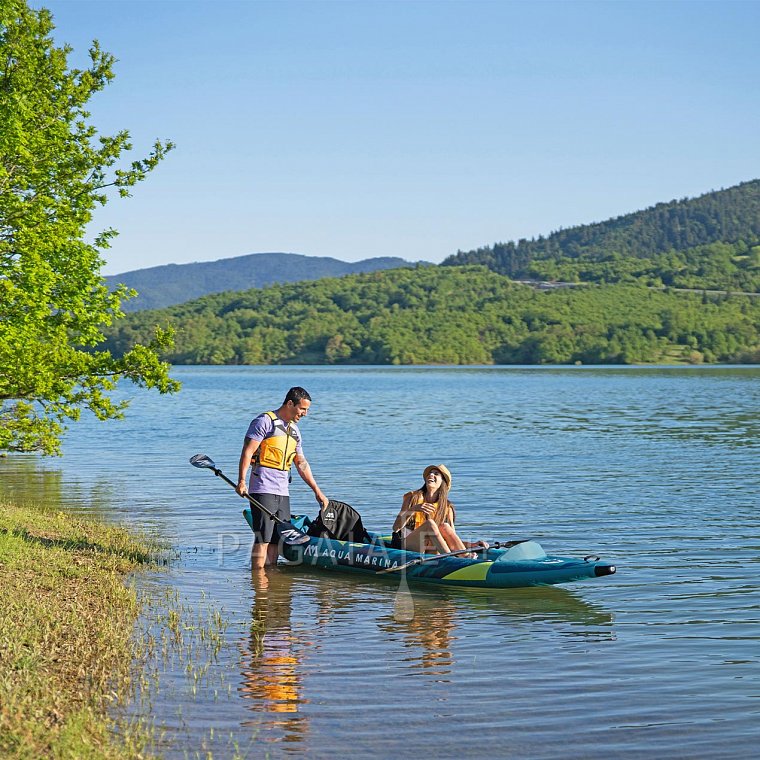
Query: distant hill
x=450, y=315
x=634, y=301
x=171, y=284
x=730, y=216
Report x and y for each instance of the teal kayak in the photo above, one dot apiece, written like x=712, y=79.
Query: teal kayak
x=524, y=563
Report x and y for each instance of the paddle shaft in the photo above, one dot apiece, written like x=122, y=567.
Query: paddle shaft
x=248, y=496
x=423, y=560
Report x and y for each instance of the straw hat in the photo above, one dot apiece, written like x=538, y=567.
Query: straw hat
x=442, y=469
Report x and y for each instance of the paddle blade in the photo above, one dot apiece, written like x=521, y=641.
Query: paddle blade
x=201, y=460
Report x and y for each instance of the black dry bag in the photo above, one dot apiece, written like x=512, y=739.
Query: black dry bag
x=340, y=522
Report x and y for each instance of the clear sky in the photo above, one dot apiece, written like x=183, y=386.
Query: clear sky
x=413, y=129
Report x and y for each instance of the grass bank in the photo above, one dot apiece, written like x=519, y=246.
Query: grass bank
x=66, y=635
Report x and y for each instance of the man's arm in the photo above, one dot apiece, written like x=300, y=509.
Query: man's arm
x=305, y=472
x=250, y=447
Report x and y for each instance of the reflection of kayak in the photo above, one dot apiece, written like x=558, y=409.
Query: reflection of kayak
x=550, y=603
x=524, y=564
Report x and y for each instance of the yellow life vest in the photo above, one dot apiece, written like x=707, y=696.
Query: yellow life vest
x=278, y=449
x=417, y=518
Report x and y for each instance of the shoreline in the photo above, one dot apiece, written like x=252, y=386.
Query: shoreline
x=69, y=659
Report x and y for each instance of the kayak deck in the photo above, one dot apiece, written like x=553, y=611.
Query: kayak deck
x=524, y=564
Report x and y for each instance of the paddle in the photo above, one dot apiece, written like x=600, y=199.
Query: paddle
x=290, y=535
x=424, y=559
x=507, y=544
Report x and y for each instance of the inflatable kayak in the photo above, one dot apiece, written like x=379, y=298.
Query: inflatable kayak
x=518, y=564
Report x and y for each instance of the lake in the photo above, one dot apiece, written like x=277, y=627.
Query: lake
x=653, y=469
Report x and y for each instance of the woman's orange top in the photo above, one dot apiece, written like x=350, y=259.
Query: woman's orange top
x=414, y=499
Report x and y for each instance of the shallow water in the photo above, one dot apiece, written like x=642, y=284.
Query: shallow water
x=654, y=469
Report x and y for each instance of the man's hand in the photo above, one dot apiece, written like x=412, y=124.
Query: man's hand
x=241, y=488
x=322, y=500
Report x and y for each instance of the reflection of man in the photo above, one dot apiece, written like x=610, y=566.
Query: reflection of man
x=271, y=674
x=272, y=444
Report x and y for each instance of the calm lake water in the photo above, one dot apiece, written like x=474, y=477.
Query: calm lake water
x=654, y=469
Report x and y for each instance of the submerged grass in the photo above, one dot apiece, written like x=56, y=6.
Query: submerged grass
x=66, y=635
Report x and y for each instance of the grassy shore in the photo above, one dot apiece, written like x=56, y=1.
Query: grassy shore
x=67, y=649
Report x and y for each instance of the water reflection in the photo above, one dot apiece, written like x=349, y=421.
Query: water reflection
x=272, y=677
x=538, y=603
x=429, y=635
x=29, y=480
x=301, y=641
x=23, y=480
x=338, y=590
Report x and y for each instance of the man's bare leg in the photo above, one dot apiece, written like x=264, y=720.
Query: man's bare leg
x=260, y=555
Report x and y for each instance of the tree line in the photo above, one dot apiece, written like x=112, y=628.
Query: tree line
x=724, y=216
x=450, y=315
x=717, y=266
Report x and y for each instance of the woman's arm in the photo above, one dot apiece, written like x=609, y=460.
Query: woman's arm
x=404, y=514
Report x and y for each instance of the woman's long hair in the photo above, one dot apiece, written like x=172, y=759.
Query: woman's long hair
x=443, y=505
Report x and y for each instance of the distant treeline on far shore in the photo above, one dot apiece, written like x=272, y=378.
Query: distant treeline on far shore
x=630, y=303
x=452, y=315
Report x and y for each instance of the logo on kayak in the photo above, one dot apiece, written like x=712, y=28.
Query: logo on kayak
x=292, y=536
x=353, y=558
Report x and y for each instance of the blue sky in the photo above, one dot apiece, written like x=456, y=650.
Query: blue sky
x=412, y=129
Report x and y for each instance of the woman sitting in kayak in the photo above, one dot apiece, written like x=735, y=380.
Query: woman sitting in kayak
x=425, y=523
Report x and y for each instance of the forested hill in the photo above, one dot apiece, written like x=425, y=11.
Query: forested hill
x=726, y=216
x=176, y=283
x=451, y=315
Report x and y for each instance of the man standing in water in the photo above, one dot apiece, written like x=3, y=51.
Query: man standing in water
x=272, y=444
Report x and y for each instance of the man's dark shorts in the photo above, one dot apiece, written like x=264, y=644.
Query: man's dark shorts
x=265, y=528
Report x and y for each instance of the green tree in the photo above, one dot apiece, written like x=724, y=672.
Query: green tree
x=55, y=168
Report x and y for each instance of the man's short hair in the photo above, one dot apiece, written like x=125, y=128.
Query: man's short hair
x=297, y=395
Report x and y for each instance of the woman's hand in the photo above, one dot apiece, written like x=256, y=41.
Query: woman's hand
x=428, y=509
